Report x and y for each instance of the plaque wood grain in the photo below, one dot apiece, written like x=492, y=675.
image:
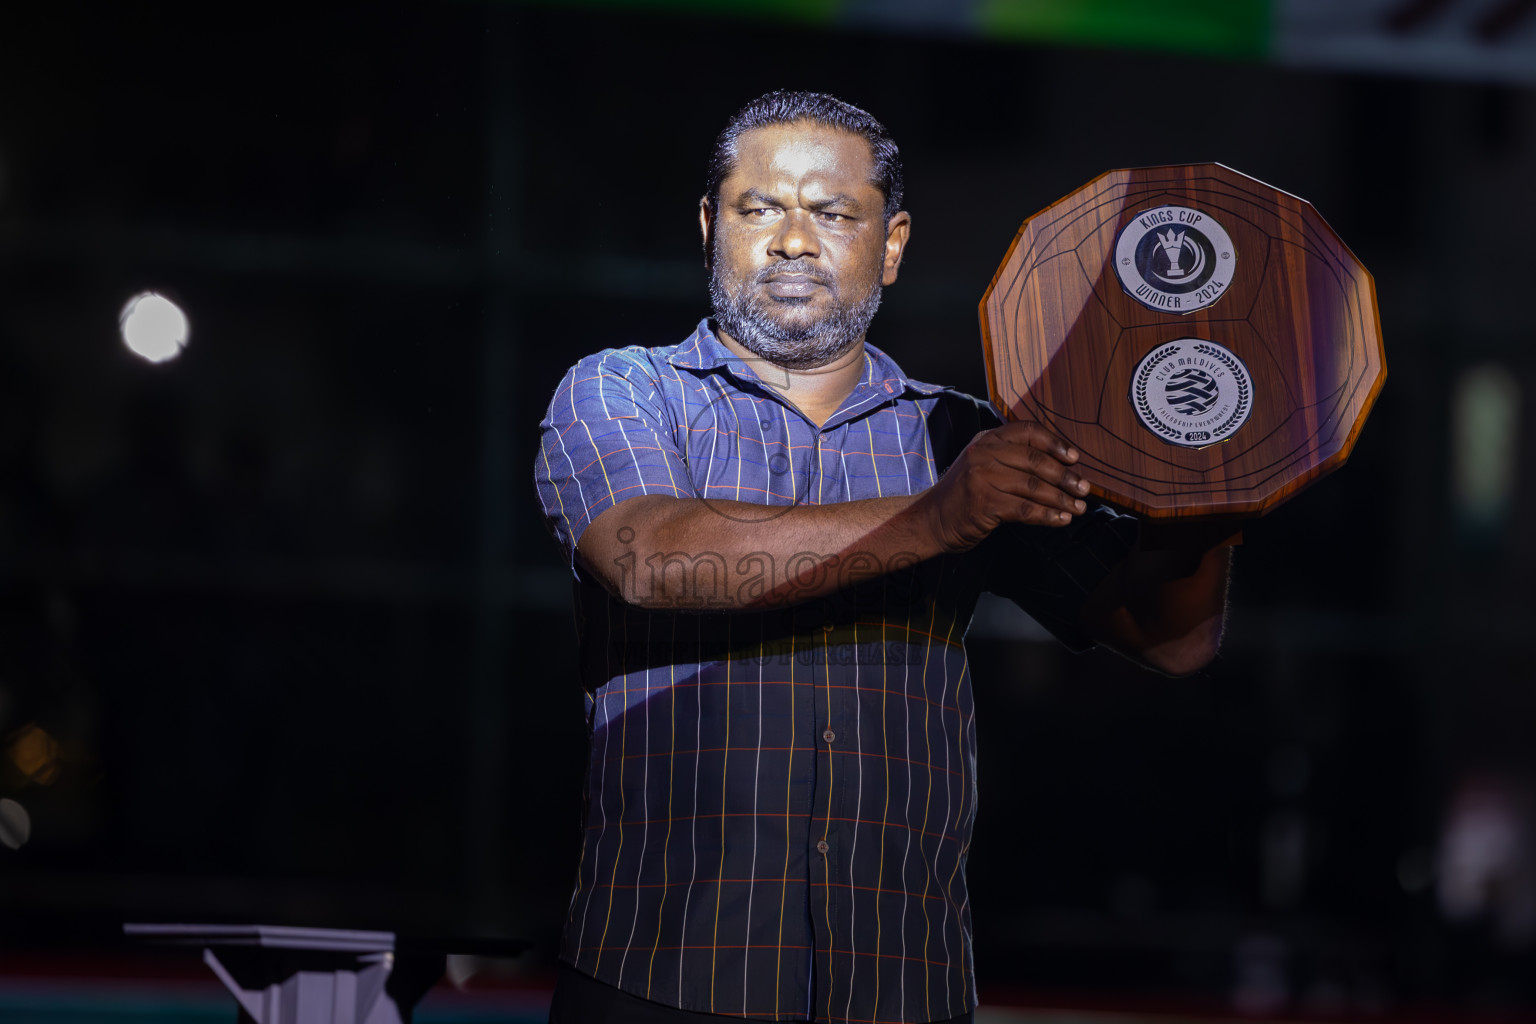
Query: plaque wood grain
x=1062, y=339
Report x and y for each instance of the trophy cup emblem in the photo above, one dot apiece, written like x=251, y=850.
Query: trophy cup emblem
x=1174, y=248
x=1175, y=259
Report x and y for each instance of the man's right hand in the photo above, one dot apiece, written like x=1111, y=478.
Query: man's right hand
x=1015, y=473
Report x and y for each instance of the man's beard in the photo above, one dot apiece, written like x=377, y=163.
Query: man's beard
x=746, y=314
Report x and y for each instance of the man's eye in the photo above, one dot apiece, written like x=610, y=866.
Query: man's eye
x=829, y=217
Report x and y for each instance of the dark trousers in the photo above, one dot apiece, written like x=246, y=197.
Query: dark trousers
x=583, y=1000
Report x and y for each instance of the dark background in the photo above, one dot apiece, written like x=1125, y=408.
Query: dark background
x=283, y=638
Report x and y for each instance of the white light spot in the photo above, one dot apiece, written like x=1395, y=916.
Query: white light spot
x=154, y=327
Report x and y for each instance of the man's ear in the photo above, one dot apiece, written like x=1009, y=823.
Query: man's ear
x=897, y=230
x=706, y=225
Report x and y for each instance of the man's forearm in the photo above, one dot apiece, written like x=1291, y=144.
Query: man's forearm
x=1165, y=606
x=657, y=551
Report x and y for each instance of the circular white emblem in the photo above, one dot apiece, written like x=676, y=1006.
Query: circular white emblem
x=1192, y=392
x=1175, y=259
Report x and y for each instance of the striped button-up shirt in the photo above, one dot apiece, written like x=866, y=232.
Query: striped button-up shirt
x=779, y=804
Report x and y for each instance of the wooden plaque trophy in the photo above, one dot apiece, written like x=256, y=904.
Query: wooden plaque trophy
x=1204, y=340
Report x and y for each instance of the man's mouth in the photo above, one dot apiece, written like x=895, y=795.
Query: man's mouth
x=793, y=286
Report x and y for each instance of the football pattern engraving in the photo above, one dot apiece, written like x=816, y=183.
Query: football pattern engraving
x=1264, y=300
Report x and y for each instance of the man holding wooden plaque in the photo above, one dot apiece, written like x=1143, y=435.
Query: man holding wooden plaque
x=777, y=540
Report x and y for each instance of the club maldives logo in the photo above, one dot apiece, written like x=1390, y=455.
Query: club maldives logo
x=1175, y=259
x=1192, y=392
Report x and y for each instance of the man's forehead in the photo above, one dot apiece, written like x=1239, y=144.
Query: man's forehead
x=804, y=149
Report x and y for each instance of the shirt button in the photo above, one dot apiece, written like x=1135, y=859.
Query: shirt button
x=822, y=846
x=829, y=735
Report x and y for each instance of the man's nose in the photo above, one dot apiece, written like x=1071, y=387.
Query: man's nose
x=796, y=237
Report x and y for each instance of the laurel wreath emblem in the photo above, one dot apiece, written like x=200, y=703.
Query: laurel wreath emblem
x=1241, y=394
x=1148, y=367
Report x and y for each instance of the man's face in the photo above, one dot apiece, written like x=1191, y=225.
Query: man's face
x=800, y=246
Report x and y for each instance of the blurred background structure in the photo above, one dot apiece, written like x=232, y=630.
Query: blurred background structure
x=283, y=639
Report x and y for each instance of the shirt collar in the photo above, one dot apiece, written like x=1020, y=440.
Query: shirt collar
x=704, y=351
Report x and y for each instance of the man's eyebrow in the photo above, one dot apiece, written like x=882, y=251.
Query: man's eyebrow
x=754, y=197
x=841, y=199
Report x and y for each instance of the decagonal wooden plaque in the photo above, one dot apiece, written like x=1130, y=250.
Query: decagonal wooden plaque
x=1206, y=341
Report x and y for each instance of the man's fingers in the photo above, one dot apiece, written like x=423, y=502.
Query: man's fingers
x=1027, y=490
x=1021, y=472
x=1037, y=437
x=1049, y=443
x=1029, y=447
x=1027, y=463
x=1034, y=514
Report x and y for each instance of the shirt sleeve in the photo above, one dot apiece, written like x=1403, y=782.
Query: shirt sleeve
x=607, y=437
x=1050, y=571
